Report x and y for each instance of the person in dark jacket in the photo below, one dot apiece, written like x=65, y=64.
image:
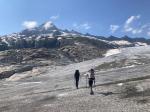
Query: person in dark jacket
x=76, y=77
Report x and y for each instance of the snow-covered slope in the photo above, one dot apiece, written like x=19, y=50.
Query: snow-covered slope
x=121, y=42
x=48, y=33
x=112, y=52
x=51, y=88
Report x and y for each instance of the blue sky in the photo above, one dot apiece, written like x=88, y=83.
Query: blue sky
x=99, y=17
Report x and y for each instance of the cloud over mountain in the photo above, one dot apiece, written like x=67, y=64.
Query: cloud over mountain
x=48, y=25
x=114, y=28
x=54, y=17
x=30, y=24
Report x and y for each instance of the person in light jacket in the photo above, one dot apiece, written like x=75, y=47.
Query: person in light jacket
x=91, y=80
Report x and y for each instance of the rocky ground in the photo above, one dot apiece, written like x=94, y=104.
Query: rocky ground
x=122, y=85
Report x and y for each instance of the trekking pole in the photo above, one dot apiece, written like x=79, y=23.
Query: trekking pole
x=86, y=81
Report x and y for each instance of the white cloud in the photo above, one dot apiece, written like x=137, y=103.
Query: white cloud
x=54, y=17
x=131, y=19
x=128, y=25
x=128, y=29
x=29, y=24
x=148, y=33
x=146, y=29
x=85, y=26
x=114, y=28
x=132, y=25
x=75, y=25
x=48, y=25
x=136, y=31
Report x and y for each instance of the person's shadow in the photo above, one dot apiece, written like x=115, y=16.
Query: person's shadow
x=106, y=93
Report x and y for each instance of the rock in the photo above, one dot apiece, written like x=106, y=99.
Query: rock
x=6, y=74
x=24, y=69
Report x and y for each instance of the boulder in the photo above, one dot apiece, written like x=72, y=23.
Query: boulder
x=6, y=74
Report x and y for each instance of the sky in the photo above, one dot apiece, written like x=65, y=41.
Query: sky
x=97, y=17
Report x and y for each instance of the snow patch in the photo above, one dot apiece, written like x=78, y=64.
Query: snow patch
x=77, y=43
x=48, y=25
x=65, y=34
x=62, y=94
x=59, y=38
x=141, y=44
x=90, y=37
x=5, y=41
x=129, y=66
x=26, y=83
x=139, y=88
x=112, y=52
x=120, y=84
x=121, y=42
x=50, y=37
x=48, y=105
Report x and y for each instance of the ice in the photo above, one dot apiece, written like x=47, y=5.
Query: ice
x=62, y=94
x=112, y=52
x=120, y=84
x=55, y=90
x=121, y=42
x=139, y=88
x=141, y=44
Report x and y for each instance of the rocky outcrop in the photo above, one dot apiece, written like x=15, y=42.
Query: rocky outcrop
x=6, y=74
x=24, y=69
x=82, y=52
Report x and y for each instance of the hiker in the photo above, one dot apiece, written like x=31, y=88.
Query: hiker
x=91, y=80
x=76, y=77
x=86, y=78
x=93, y=75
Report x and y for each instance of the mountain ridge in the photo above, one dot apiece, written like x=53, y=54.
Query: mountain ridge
x=47, y=35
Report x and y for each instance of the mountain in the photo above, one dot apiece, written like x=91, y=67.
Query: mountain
x=47, y=35
x=62, y=46
x=49, y=45
x=48, y=28
x=45, y=28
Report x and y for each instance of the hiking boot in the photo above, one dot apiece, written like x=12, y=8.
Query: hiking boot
x=91, y=93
